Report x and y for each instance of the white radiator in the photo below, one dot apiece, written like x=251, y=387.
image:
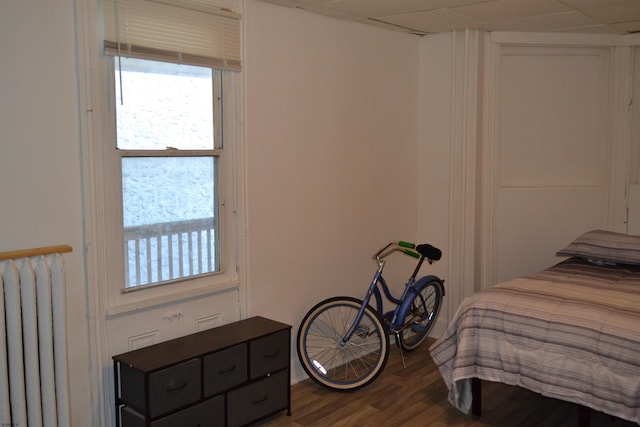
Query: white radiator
x=33, y=344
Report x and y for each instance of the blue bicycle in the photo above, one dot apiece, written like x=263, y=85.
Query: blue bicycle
x=343, y=342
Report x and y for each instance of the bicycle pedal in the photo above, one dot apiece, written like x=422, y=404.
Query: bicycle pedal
x=362, y=332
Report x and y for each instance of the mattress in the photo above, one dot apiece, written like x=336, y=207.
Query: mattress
x=570, y=332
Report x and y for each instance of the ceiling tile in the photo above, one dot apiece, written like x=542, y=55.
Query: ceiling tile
x=435, y=21
x=428, y=16
x=590, y=4
x=614, y=14
x=511, y=9
x=378, y=8
x=557, y=21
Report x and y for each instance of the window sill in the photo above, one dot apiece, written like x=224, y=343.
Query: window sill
x=134, y=301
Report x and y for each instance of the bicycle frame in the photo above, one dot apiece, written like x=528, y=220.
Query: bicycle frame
x=395, y=318
x=343, y=342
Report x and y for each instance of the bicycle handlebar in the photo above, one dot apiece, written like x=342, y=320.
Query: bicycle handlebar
x=425, y=250
x=411, y=253
x=406, y=244
x=408, y=251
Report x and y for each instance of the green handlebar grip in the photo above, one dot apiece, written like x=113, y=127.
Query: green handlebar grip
x=411, y=253
x=406, y=244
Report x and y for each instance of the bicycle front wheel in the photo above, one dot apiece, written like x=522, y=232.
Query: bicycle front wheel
x=422, y=315
x=335, y=364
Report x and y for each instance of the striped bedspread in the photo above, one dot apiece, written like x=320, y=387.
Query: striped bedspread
x=571, y=332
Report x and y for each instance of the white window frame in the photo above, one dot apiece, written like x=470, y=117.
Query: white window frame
x=117, y=299
x=102, y=283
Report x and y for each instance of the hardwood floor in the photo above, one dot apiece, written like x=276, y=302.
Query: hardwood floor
x=417, y=396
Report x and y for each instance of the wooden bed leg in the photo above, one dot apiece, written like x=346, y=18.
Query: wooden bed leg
x=476, y=396
x=584, y=416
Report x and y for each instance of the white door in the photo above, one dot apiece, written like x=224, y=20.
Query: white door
x=547, y=151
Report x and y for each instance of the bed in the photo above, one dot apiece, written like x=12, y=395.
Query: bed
x=570, y=332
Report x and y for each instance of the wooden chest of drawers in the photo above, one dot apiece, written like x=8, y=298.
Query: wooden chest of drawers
x=231, y=376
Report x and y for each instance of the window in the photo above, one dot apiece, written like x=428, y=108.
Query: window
x=170, y=146
x=169, y=155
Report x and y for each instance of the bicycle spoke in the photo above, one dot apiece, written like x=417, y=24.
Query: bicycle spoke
x=421, y=316
x=340, y=362
x=333, y=362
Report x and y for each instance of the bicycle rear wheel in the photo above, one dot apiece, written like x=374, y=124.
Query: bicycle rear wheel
x=336, y=365
x=422, y=315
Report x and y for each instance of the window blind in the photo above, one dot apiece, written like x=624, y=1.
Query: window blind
x=181, y=31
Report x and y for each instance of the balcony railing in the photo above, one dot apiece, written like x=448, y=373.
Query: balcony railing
x=168, y=251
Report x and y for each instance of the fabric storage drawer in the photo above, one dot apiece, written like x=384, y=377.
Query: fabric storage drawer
x=233, y=374
x=209, y=413
x=174, y=387
x=133, y=387
x=225, y=369
x=269, y=354
x=257, y=400
x=131, y=418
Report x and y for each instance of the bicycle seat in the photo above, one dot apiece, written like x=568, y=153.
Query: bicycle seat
x=428, y=251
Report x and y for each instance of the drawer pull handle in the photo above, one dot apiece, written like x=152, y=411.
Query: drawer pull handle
x=258, y=401
x=271, y=355
x=227, y=371
x=173, y=388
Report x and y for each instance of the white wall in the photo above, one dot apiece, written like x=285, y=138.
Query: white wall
x=635, y=118
x=348, y=140
x=40, y=198
x=331, y=136
x=331, y=141
x=545, y=130
x=448, y=201
x=434, y=154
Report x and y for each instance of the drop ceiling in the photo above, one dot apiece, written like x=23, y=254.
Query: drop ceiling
x=434, y=16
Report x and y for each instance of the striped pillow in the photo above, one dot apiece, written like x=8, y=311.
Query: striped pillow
x=605, y=246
